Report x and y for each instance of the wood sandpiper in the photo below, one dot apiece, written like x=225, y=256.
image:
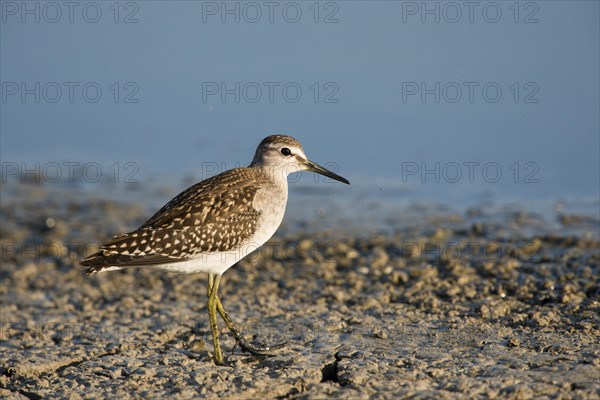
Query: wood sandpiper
x=213, y=224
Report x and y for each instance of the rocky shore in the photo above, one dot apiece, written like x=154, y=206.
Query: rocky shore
x=453, y=306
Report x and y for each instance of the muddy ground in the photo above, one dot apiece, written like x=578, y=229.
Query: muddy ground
x=460, y=305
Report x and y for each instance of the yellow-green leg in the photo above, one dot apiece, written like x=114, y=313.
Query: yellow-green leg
x=214, y=306
x=244, y=344
x=213, y=301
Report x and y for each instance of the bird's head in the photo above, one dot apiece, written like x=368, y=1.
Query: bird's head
x=284, y=155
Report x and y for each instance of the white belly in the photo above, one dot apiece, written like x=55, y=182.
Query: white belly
x=213, y=263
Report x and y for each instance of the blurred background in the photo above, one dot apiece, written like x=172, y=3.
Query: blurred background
x=447, y=104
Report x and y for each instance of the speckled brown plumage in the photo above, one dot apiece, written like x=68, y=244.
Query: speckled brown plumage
x=217, y=222
x=215, y=215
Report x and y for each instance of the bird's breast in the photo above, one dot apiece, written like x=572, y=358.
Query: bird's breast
x=271, y=205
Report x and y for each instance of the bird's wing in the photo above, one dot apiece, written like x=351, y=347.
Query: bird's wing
x=211, y=216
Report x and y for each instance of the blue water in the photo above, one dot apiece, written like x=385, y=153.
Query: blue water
x=411, y=101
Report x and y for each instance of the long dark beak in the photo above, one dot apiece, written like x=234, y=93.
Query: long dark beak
x=314, y=167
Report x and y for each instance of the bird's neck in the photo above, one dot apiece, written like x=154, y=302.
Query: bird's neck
x=275, y=173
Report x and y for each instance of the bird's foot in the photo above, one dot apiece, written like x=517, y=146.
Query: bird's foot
x=245, y=345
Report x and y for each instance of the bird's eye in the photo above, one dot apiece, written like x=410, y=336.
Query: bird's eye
x=286, y=152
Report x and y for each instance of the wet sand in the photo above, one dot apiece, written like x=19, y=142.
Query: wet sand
x=453, y=306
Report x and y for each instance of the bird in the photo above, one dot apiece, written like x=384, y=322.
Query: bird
x=212, y=225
